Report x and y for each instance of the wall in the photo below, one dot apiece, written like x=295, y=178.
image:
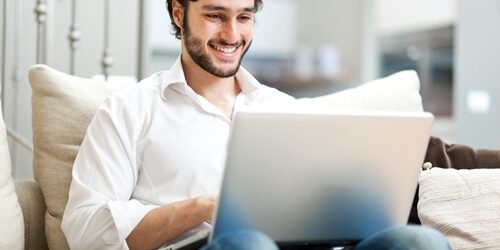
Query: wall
x=370, y=51
x=477, y=74
x=17, y=94
x=336, y=22
x=409, y=15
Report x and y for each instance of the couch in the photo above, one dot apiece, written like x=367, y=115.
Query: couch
x=63, y=106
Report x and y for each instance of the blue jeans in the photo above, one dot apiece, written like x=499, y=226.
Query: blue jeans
x=401, y=237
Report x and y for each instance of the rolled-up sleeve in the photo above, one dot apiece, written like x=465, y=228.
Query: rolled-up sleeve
x=101, y=212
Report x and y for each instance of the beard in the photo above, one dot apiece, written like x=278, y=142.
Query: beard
x=194, y=47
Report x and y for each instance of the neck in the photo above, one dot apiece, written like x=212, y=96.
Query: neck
x=221, y=92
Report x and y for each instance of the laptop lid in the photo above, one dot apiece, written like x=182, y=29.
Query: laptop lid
x=321, y=178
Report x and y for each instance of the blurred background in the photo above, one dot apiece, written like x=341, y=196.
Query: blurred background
x=303, y=47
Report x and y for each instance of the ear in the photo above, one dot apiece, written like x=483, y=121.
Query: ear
x=177, y=13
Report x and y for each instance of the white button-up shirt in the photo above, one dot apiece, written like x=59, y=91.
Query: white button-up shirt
x=156, y=143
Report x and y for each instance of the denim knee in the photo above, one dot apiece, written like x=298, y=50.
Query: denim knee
x=242, y=240
x=406, y=237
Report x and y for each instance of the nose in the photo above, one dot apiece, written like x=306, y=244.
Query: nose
x=230, y=32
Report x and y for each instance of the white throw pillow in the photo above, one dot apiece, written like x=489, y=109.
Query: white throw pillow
x=397, y=92
x=462, y=204
x=11, y=217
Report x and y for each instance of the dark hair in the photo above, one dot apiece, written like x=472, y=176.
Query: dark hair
x=183, y=3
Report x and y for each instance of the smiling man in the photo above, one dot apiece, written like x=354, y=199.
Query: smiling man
x=216, y=35
x=153, y=156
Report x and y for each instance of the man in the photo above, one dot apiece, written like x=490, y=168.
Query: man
x=163, y=143
x=153, y=155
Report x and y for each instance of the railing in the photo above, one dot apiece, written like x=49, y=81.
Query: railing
x=21, y=140
x=13, y=38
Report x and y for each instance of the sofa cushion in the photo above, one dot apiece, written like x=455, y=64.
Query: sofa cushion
x=62, y=106
x=463, y=204
x=11, y=217
x=397, y=92
x=33, y=207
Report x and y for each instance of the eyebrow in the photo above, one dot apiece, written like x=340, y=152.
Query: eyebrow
x=222, y=8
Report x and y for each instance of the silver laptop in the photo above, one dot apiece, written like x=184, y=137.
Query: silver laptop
x=331, y=178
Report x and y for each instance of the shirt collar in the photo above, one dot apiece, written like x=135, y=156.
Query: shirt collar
x=175, y=77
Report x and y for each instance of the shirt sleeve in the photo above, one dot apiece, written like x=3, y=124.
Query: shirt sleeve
x=101, y=212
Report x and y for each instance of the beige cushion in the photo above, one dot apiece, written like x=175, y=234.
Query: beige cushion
x=11, y=217
x=63, y=106
x=397, y=92
x=33, y=207
x=463, y=204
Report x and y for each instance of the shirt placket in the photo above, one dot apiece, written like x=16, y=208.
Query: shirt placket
x=239, y=104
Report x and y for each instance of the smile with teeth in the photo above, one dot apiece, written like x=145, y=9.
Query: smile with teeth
x=225, y=49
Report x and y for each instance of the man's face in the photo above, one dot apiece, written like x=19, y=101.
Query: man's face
x=217, y=34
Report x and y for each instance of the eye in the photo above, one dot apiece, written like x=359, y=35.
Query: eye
x=245, y=18
x=216, y=17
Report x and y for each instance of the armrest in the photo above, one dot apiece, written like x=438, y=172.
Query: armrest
x=33, y=206
x=457, y=156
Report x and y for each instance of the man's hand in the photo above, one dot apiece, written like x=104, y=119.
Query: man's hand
x=167, y=222
x=210, y=202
